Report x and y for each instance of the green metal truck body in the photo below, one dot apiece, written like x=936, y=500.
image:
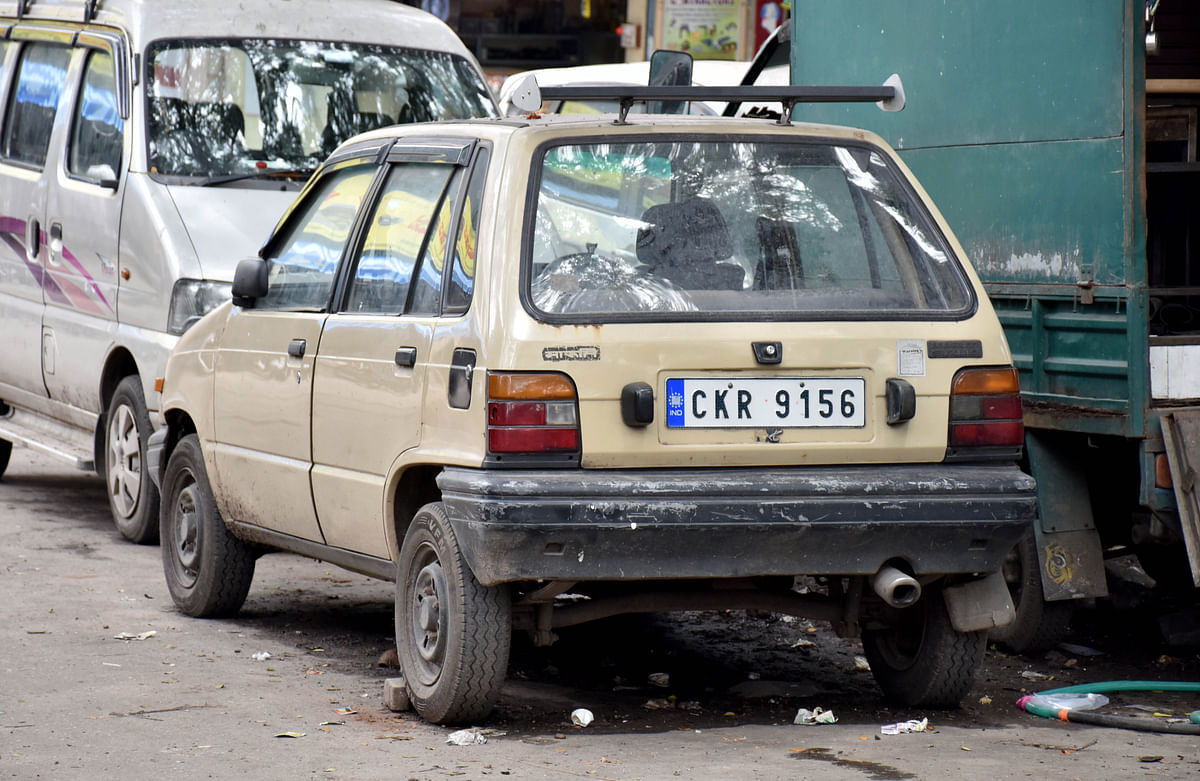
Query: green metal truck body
x=1059, y=140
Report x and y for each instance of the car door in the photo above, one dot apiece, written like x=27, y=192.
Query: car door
x=39, y=69
x=375, y=351
x=83, y=211
x=263, y=377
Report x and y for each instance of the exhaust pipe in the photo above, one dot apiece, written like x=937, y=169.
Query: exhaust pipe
x=895, y=587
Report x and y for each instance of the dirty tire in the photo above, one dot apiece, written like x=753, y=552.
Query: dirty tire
x=5, y=454
x=1039, y=625
x=208, y=570
x=132, y=497
x=452, y=634
x=922, y=661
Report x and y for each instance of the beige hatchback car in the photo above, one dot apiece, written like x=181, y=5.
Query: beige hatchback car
x=655, y=362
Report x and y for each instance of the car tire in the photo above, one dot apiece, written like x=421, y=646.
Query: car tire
x=208, y=570
x=5, y=454
x=132, y=497
x=922, y=661
x=1038, y=625
x=452, y=633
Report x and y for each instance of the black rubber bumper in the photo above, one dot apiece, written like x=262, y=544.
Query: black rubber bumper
x=598, y=524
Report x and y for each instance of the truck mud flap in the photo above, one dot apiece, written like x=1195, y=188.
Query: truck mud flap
x=1181, y=435
x=1068, y=545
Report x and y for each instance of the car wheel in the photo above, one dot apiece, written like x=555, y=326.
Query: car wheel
x=5, y=454
x=132, y=496
x=1038, y=625
x=452, y=633
x=208, y=570
x=922, y=661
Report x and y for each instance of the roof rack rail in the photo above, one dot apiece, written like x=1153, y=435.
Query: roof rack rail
x=22, y=7
x=889, y=96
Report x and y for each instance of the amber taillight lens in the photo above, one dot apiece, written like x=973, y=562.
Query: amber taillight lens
x=985, y=409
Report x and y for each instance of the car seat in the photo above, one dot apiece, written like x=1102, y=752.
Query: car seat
x=683, y=242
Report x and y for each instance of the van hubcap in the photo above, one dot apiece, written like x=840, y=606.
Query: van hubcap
x=124, y=461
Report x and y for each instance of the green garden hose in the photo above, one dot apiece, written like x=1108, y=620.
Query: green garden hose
x=1109, y=720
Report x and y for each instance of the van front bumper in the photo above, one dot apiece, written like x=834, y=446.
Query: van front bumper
x=593, y=524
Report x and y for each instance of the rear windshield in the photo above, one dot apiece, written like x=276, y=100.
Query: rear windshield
x=223, y=108
x=733, y=229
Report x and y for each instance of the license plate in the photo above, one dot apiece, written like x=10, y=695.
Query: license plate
x=766, y=402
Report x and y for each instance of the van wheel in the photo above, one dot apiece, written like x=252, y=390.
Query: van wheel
x=5, y=454
x=208, y=570
x=132, y=496
x=452, y=633
x=1038, y=625
x=922, y=661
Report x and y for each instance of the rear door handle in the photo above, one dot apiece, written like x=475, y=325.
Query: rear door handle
x=406, y=357
x=296, y=348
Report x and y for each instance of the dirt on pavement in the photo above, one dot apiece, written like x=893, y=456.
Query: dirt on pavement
x=103, y=678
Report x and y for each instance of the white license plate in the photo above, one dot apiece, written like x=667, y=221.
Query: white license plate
x=767, y=402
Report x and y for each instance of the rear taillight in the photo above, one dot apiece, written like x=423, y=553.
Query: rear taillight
x=985, y=414
x=532, y=415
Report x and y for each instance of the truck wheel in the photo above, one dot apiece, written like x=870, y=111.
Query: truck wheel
x=922, y=661
x=5, y=454
x=132, y=496
x=208, y=570
x=452, y=634
x=1039, y=625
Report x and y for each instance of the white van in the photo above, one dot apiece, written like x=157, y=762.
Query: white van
x=145, y=147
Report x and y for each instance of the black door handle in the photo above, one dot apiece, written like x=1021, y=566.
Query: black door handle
x=406, y=357
x=296, y=348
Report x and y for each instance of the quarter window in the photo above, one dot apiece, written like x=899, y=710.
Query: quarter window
x=393, y=243
x=304, y=263
x=34, y=101
x=466, y=243
x=97, y=128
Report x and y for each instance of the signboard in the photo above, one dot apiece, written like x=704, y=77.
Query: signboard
x=708, y=29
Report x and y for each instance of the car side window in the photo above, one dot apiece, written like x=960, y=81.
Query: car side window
x=426, y=298
x=393, y=242
x=304, y=262
x=466, y=242
x=33, y=102
x=97, y=127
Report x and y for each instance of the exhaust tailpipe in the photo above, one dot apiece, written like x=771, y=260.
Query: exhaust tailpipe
x=895, y=587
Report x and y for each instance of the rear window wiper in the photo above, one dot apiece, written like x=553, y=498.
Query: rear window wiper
x=280, y=173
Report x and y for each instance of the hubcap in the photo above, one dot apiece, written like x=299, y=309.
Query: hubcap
x=428, y=620
x=185, y=525
x=124, y=461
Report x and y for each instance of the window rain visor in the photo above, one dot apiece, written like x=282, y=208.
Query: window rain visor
x=734, y=229
x=221, y=108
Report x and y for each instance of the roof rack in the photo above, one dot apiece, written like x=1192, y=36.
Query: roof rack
x=89, y=9
x=889, y=96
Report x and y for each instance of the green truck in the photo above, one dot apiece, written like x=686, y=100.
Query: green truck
x=1059, y=140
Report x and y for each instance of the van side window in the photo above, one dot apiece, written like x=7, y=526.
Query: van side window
x=304, y=264
x=462, y=273
x=398, y=228
x=41, y=74
x=96, y=131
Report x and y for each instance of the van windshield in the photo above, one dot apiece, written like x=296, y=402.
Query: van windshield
x=704, y=228
x=219, y=109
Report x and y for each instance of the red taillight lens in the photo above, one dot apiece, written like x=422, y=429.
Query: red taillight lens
x=531, y=414
x=985, y=409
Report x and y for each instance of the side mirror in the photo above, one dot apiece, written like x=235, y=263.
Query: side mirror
x=669, y=68
x=250, y=282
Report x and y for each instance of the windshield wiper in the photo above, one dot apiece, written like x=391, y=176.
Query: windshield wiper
x=280, y=173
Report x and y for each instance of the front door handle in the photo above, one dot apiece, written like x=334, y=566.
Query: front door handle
x=296, y=348
x=406, y=357
x=56, y=241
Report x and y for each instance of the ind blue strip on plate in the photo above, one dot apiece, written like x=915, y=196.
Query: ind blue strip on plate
x=675, y=403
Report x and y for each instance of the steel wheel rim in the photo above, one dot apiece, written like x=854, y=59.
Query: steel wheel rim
x=184, y=528
x=900, y=647
x=427, y=618
x=124, y=462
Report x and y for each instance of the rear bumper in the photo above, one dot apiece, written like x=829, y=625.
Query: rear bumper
x=703, y=523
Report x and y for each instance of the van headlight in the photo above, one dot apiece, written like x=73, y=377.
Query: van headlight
x=192, y=299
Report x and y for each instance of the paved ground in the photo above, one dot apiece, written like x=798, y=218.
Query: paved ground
x=188, y=698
